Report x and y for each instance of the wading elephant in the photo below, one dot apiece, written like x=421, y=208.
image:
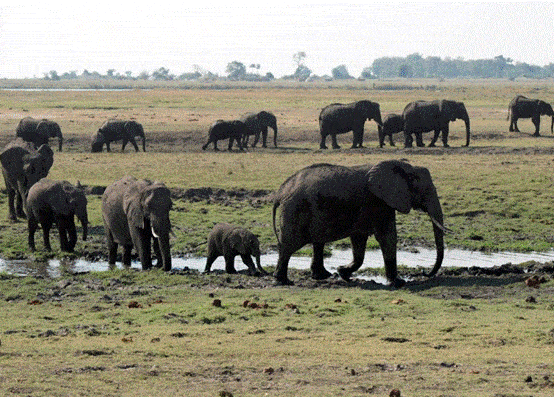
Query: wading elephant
x=58, y=202
x=39, y=131
x=339, y=118
x=22, y=167
x=259, y=123
x=234, y=130
x=392, y=124
x=229, y=241
x=425, y=116
x=323, y=203
x=523, y=108
x=118, y=130
x=136, y=214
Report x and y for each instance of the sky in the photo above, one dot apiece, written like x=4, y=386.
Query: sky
x=37, y=37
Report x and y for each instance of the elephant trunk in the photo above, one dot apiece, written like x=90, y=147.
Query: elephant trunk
x=274, y=135
x=60, y=142
x=378, y=119
x=552, y=125
x=84, y=225
x=466, y=120
x=434, y=210
x=143, y=143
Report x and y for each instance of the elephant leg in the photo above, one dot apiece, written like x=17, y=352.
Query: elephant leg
x=408, y=140
x=245, y=141
x=157, y=252
x=322, y=144
x=46, y=235
x=19, y=198
x=334, y=141
x=142, y=242
x=318, y=270
x=71, y=231
x=247, y=260
x=112, y=248
x=127, y=255
x=239, y=143
x=282, y=267
x=537, y=122
x=264, y=137
x=386, y=235
x=511, y=128
x=419, y=139
x=359, y=242
x=209, y=261
x=516, y=129
x=32, y=225
x=435, y=137
x=445, y=132
x=230, y=147
x=134, y=143
x=107, y=146
x=256, y=139
x=230, y=264
x=11, y=204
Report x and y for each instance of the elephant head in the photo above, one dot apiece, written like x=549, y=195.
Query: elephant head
x=545, y=109
x=135, y=129
x=97, y=142
x=50, y=129
x=369, y=111
x=453, y=110
x=78, y=204
x=266, y=120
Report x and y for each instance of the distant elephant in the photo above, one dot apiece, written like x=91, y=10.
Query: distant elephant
x=324, y=203
x=392, y=124
x=39, y=131
x=339, y=118
x=135, y=213
x=259, y=123
x=523, y=108
x=116, y=130
x=234, y=130
x=229, y=241
x=58, y=202
x=22, y=167
x=425, y=116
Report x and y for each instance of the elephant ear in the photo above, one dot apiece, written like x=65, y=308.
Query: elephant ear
x=389, y=181
x=60, y=201
x=132, y=206
x=235, y=240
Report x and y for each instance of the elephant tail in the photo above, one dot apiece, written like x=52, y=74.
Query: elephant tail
x=275, y=206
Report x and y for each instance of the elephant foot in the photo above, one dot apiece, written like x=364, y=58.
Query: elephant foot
x=536, y=134
x=446, y=145
x=432, y=144
x=283, y=282
x=321, y=275
x=397, y=283
x=323, y=147
x=344, y=273
x=336, y=147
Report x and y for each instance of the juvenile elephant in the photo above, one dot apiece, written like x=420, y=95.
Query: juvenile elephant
x=118, y=130
x=425, y=116
x=323, y=203
x=58, y=202
x=135, y=214
x=259, y=123
x=523, y=108
x=234, y=130
x=22, y=167
x=229, y=241
x=339, y=118
x=392, y=124
x=39, y=131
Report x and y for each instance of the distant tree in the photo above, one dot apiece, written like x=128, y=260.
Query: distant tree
x=367, y=73
x=299, y=58
x=235, y=70
x=405, y=71
x=144, y=75
x=302, y=73
x=341, y=73
x=110, y=73
x=70, y=75
x=162, y=74
x=190, y=76
x=52, y=75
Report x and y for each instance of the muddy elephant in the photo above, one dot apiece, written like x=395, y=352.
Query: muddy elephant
x=523, y=108
x=22, y=167
x=39, y=131
x=392, y=124
x=425, y=116
x=324, y=203
x=229, y=241
x=234, y=130
x=258, y=123
x=136, y=214
x=118, y=130
x=58, y=202
x=339, y=118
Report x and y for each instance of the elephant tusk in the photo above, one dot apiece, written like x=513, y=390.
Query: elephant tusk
x=154, y=233
x=441, y=227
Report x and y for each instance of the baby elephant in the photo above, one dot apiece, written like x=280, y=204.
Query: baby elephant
x=229, y=241
x=234, y=130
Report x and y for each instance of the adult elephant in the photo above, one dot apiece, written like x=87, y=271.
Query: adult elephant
x=425, y=116
x=136, y=214
x=118, y=130
x=258, y=123
x=39, y=131
x=392, y=124
x=22, y=167
x=58, y=202
x=522, y=107
x=339, y=118
x=234, y=130
x=323, y=203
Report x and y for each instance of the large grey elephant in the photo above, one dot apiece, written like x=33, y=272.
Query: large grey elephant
x=39, y=131
x=22, y=167
x=425, y=116
x=339, y=118
x=58, y=202
x=234, y=130
x=118, y=130
x=324, y=203
x=392, y=124
x=522, y=107
x=259, y=123
x=136, y=214
x=229, y=241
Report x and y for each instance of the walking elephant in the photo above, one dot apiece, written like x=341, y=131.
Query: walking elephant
x=523, y=108
x=234, y=130
x=136, y=214
x=259, y=123
x=392, y=124
x=118, y=130
x=22, y=167
x=339, y=118
x=39, y=131
x=425, y=116
x=229, y=241
x=58, y=202
x=324, y=203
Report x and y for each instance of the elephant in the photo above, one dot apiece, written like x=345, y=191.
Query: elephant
x=58, y=202
x=339, y=118
x=259, y=123
x=22, y=167
x=115, y=130
x=229, y=241
x=234, y=130
x=392, y=124
x=39, y=131
x=135, y=212
x=522, y=107
x=425, y=116
x=323, y=203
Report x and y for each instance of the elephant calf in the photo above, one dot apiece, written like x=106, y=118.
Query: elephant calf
x=39, y=131
x=234, y=130
x=258, y=123
x=522, y=107
x=118, y=130
x=392, y=124
x=229, y=241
